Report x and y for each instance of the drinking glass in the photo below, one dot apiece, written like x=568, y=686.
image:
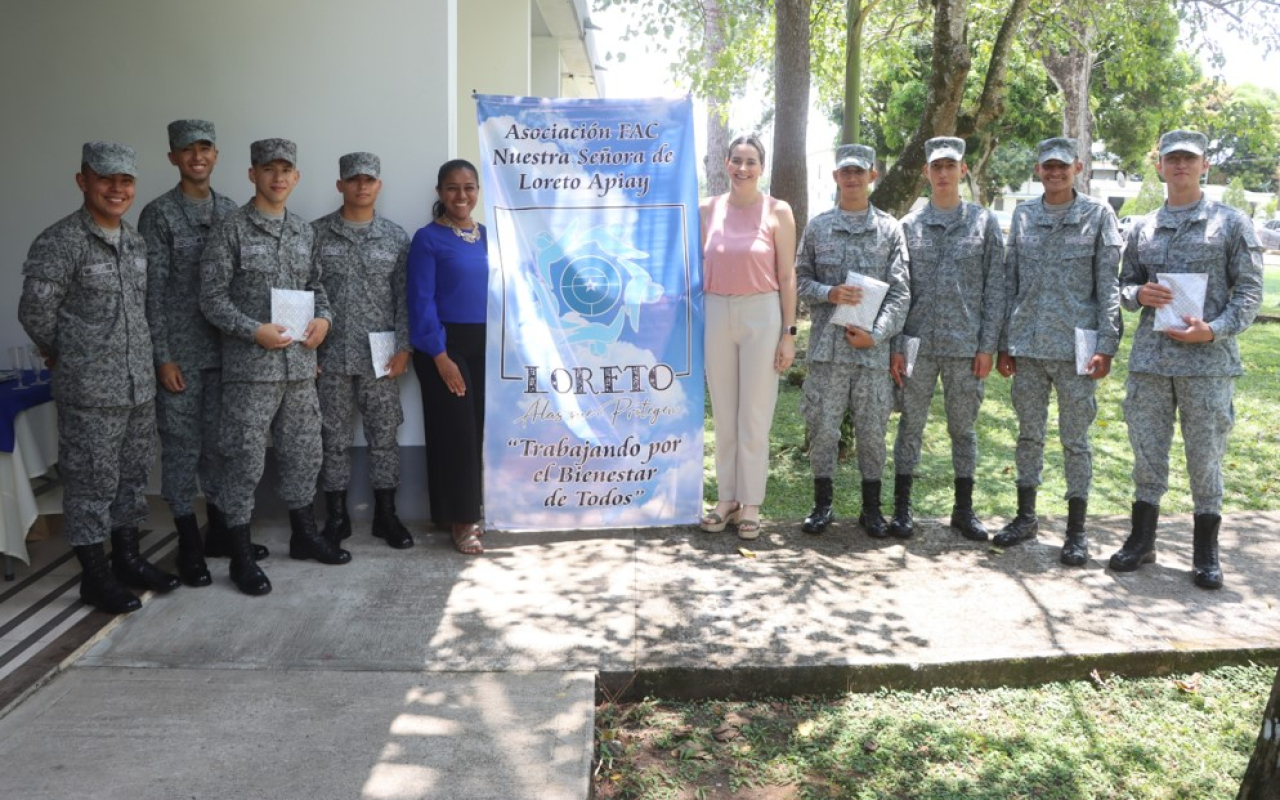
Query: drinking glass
x=18, y=360
x=37, y=364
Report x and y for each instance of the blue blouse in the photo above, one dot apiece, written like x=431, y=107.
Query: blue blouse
x=448, y=281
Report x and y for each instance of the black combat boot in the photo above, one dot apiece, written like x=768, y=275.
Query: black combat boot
x=337, y=523
x=1024, y=526
x=245, y=572
x=1075, y=547
x=962, y=517
x=132, y=569
x=191, y=567
x=98, y=587
x=216, y=544
x=1208, y=575
x=386, y=525
x=902, y=526
x=821, y=517
x=1140, y=547
x=871, y=520
x=306, y=542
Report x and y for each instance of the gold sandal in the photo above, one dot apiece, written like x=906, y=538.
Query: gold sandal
x=712, y=522
x=466, y=538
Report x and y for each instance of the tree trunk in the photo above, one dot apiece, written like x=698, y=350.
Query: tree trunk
x=791, y=88
x=900, y=187
x=1071, y=70
x=978, y=171
x=851, y=129
x=717, y=131
x=1262, y=778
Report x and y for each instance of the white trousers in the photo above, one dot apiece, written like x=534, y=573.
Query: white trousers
x=742, y=333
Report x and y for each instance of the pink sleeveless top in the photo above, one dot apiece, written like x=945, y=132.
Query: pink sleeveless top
x=739, y=256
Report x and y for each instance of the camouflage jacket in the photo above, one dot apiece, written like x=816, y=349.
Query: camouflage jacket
x=957, y=282
x=364, y=278
x=1213, y=239
x=1061, y=274
x=835, y=243
x=179, y=332
x=243, y=261
x=84, y=303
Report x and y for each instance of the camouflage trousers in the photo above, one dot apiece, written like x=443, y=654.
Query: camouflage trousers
x=379, y=404
x=962, y=395
x=105, y=457
x=1077, y=409
x=1205, y=412
x=188, y=422
x=831, y=389
x=287, y=412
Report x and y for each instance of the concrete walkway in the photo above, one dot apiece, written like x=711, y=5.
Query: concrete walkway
x=426, y=674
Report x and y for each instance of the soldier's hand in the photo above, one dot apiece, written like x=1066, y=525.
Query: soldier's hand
x=313, y=335
x=845, y=295
x=1154, y=295
x=1197, y=331
x=170, y=376
x=398, y=364
x=858, y=339
x=898, y=367
x=450, y=374
x=270, y=336
x=1099, y=366
x=1006, y=364
x=981, y=365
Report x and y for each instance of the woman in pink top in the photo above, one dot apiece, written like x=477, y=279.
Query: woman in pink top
x=749, y=275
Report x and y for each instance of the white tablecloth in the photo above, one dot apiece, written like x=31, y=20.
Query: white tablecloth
x=35, y=451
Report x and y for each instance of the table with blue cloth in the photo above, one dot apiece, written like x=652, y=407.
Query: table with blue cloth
x=19, y=464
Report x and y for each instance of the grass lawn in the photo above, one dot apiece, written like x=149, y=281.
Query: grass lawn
x=1147, y=739
x=1251, y=482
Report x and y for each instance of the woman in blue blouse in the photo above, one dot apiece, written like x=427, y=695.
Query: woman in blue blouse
x=448, y=284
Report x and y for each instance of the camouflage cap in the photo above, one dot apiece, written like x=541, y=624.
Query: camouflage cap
x=109, y=158
x=184, y=132
x=855, y=155
x=264, y=151
x=1059, y=148
x=353, y=164
x=1192, y=142
x=943, y=147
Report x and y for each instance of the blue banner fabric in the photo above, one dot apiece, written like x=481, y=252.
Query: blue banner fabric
x=594, y=395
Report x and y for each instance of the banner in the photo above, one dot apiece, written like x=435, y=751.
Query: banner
x=594, y=382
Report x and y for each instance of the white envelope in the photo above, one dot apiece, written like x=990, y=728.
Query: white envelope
x=382, y=344
x=911, y=349
x=863, y=315
x=294, y=309
x=1188, y=299
x=1086, y=347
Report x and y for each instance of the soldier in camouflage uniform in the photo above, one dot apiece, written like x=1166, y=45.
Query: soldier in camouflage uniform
x=957, y=311
x=84, y=305
x=175, y=226
x=849, y=368
x=1060, y=270
x=268, y=380
x=1185, y=372
x=362, y=257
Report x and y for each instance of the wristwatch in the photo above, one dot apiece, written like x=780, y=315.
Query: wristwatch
x=790, y=330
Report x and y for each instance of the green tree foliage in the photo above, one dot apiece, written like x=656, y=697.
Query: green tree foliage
x=1150, y=196
x=1244, y=136
x=1234, y=196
